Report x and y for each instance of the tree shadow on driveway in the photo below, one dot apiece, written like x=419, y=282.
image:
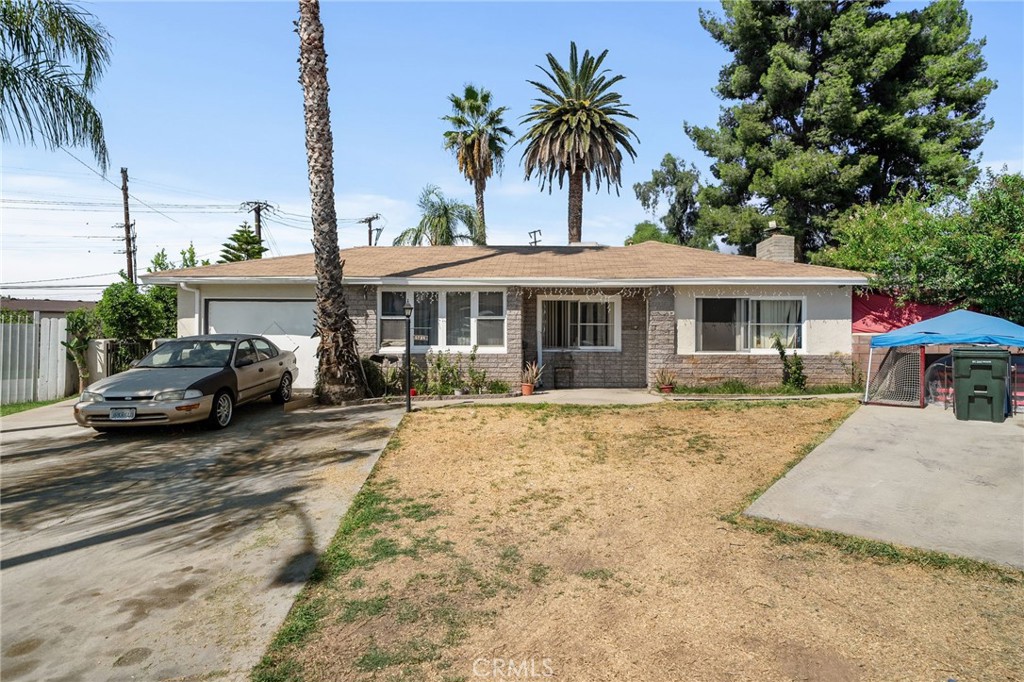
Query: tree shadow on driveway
x=166, y=489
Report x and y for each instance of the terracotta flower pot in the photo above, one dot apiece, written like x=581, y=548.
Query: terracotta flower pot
x=666, y=389
x=527, y=389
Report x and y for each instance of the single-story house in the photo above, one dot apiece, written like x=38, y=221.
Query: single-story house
x=595, y=316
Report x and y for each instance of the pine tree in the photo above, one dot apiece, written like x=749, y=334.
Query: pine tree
x=242, y=245
x=835, y=104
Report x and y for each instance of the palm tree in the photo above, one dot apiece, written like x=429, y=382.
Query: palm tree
x=573, y=129
x=478, y=140
x=339, y=374
x=440, y=223
x=51, y=56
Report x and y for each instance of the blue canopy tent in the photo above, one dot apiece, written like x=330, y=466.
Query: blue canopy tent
x=957, y=327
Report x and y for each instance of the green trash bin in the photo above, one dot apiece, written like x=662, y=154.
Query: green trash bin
x=980, y=380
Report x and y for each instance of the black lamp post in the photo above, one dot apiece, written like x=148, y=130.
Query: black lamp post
x=407, y=309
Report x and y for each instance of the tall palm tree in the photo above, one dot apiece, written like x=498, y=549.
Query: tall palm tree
x=52, y=54
x=440, y=223
x=574, y=131
x=339, y=374
x=478, y=138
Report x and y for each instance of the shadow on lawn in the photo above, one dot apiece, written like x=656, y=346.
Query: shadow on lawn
x=177, y=487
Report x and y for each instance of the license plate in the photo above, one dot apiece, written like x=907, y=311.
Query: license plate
x=123, y=414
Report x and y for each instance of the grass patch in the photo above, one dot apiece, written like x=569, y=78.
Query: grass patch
x=734, y=387
x=408, y=653
x=354, y=609
x=13, y=408
x=445, y=548
x=538, y=573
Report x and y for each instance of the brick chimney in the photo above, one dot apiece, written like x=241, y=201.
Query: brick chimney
x=777, y=247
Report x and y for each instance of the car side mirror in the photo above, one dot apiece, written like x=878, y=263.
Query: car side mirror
x=243, y=362
x=132, y=363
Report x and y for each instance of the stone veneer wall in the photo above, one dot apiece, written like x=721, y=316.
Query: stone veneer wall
x=362, y=303
x=711, y=368
x=594, y=369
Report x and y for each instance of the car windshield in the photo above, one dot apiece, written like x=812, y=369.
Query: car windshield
x=189, y=353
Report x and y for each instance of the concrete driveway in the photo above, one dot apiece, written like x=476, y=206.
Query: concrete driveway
x=918, y=478
x=171, y=554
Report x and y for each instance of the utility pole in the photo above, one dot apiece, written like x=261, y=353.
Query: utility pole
x=129, y=234
x=369, y=227
x=257, y=208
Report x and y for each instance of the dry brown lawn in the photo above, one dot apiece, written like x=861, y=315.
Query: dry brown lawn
x=588, y=544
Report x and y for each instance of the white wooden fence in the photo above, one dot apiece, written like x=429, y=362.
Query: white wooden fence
x=33, y=363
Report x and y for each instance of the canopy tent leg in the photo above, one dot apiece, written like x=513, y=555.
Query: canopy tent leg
x=922, y=368
x=867, y=382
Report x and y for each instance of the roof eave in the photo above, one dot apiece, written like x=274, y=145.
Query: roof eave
x=548, y=282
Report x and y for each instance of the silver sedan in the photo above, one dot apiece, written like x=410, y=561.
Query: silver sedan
x=191, y=379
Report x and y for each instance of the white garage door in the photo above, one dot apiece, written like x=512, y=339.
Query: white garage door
x=289, y=324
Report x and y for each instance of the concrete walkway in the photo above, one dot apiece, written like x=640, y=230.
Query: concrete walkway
x=913, y=477
x=167, y=554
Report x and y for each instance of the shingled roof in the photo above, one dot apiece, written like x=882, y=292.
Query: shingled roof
x=648, y=262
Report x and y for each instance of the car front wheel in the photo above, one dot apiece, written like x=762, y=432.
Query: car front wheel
x=284, y=392
x=222, y=411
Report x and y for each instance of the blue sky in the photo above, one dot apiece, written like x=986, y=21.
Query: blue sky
x=201, y=103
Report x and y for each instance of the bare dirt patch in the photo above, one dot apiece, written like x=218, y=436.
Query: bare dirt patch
x=588, y=543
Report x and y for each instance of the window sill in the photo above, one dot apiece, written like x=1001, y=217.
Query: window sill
x=610, y=349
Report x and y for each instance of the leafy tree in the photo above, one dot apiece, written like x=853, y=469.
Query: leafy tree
x=677, y=186
x=477, y=138
x=441, y=221
x=836, y=104
x=15, y=316
x=166, y=298
x=649, y=232
x=52, y=55
x=127, y=314
x=83, y=327
x=339, y=373
x=574, y=130
x=242, y=245
x=967, y=253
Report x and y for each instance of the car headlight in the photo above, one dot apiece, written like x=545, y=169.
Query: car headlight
x=91, y=397
x=179, y=395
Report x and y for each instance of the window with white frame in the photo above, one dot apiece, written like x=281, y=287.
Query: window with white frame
x=577, y=324
x=745, y=324
x=444, y=319
x=392, y=319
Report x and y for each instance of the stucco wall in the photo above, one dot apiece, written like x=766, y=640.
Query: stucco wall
x=672, y=330
x=827, y=314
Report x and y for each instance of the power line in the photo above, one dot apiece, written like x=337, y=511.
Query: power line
x=60, y=279
x=107, y=180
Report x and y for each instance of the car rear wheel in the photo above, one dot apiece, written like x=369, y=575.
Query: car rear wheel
x=284, y=392
x=222, y=411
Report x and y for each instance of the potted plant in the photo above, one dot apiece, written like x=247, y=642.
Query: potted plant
x=666, y=380
x=531, y=375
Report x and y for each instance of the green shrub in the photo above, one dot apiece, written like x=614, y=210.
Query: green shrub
x=497, y=386
x=375, y=384
x=443, y=373
x=792, y=366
